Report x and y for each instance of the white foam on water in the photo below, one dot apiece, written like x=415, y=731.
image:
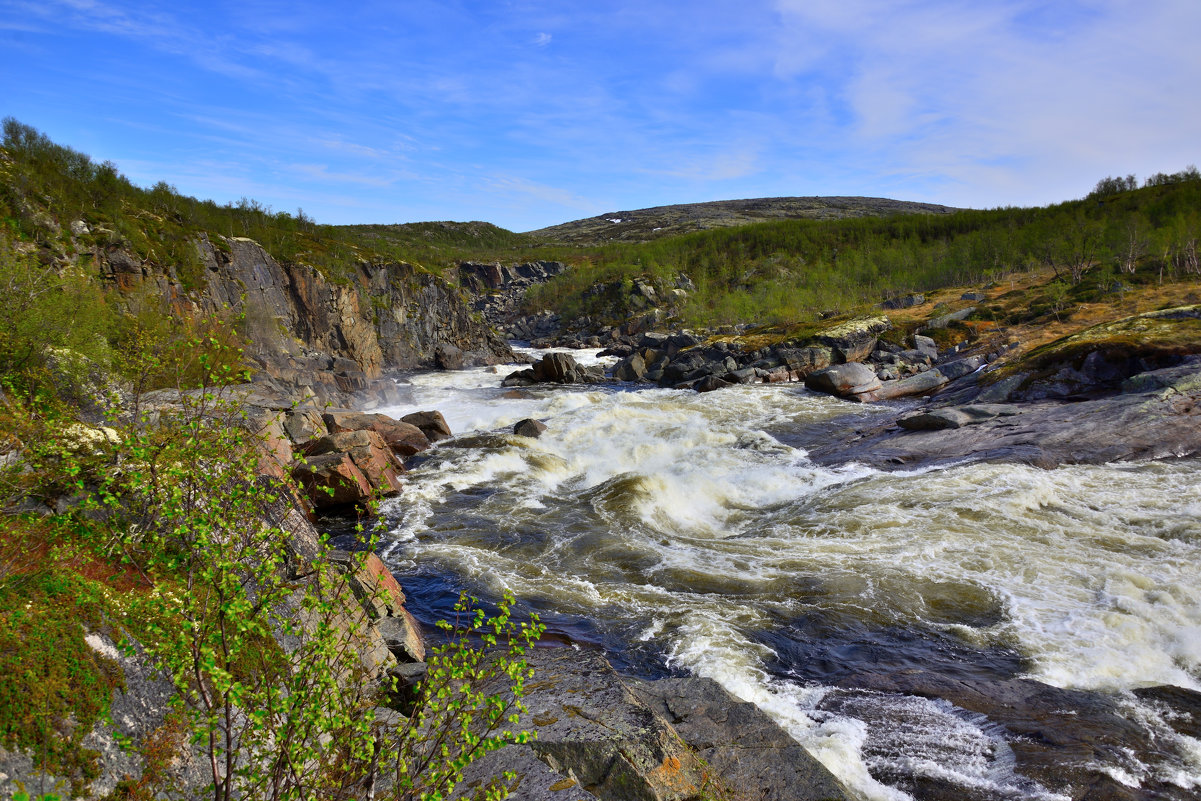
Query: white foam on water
x=679, y=510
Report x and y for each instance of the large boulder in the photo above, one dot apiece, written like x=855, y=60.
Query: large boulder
x=431, y=423
x=854, y=340
x=558, y=368
x=405, y=439
x=332, y=479
x=844, y=380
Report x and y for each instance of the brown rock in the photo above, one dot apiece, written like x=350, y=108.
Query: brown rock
x=403, y=438
x=529, y=428
x=332, y=479
x=432, y=424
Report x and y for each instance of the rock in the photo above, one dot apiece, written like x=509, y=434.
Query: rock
x=710, y=383
x=405, y=439
x=925, y=346
x=804, y=361
x=1162, y=422
x=751, y=755
x=402, y=635
x=591, y=727
x=79, y=228
x=913, y=385
x=960, y=367
x=305, y=424
x=854, y=340
x=935, y=420
x=942, y=321
x=632, y=368
x=536, y=781
x=558, y=368
x=904, y=301
x=520, y=378
x=529, y=428
x=448, y=357
x=332, y=479
x=844, y=380
x=371, y=582
x=431, y=423
x=974, y=297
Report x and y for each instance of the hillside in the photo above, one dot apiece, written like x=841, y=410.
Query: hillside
x=642, y=225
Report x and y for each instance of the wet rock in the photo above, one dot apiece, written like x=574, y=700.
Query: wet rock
x=632, y=368
x=529, y=428
x=431, y=423
x=562, y=368
x=844, y=380
x=1162, y=422
x=935, y=420
x=1056, y=736
x=751, y=755
x=448, y=357
x=710, y=383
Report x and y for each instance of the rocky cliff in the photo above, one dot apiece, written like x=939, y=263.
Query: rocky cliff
x=309, y=329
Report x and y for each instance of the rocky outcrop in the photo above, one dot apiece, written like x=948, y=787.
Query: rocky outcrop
x=607, y=737
x=1157, y=415
x=556, y=368
x=333, y=335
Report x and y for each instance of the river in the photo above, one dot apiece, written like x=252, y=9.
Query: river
x=689, y=533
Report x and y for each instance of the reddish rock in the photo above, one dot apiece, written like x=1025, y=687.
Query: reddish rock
x=403, y=438
x=332, y=479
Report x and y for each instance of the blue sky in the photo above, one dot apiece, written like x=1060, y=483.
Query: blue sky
x=527, y=114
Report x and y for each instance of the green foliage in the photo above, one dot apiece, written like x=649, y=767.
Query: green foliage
x=264, y=650
x=53, y=685
x=45, y=186
x=788, y=271
x=44, y=309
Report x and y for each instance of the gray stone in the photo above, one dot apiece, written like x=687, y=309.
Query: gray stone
x=942, y=321
x=925, y=345
x=751, y=755
x=919, y=384
x=843, y=380
x=960, y=367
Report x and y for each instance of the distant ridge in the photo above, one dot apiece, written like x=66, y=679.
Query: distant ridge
x=645, y=224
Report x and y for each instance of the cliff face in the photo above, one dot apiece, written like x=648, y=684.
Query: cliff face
x=308, y=330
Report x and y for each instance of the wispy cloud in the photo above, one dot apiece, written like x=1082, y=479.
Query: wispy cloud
x=440, y=110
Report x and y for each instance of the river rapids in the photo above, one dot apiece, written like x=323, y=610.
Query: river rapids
x=680, y=532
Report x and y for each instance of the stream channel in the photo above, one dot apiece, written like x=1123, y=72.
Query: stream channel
x=689, y=533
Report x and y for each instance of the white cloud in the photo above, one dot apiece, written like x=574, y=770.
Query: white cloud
x=542, y=39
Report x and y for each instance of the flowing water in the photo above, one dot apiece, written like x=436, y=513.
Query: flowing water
x=679, y=531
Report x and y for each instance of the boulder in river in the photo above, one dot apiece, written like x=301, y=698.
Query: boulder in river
x=529, y=427
x=844, y=380
x=431, y=423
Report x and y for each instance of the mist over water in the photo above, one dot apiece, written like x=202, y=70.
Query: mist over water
x=677, y=530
